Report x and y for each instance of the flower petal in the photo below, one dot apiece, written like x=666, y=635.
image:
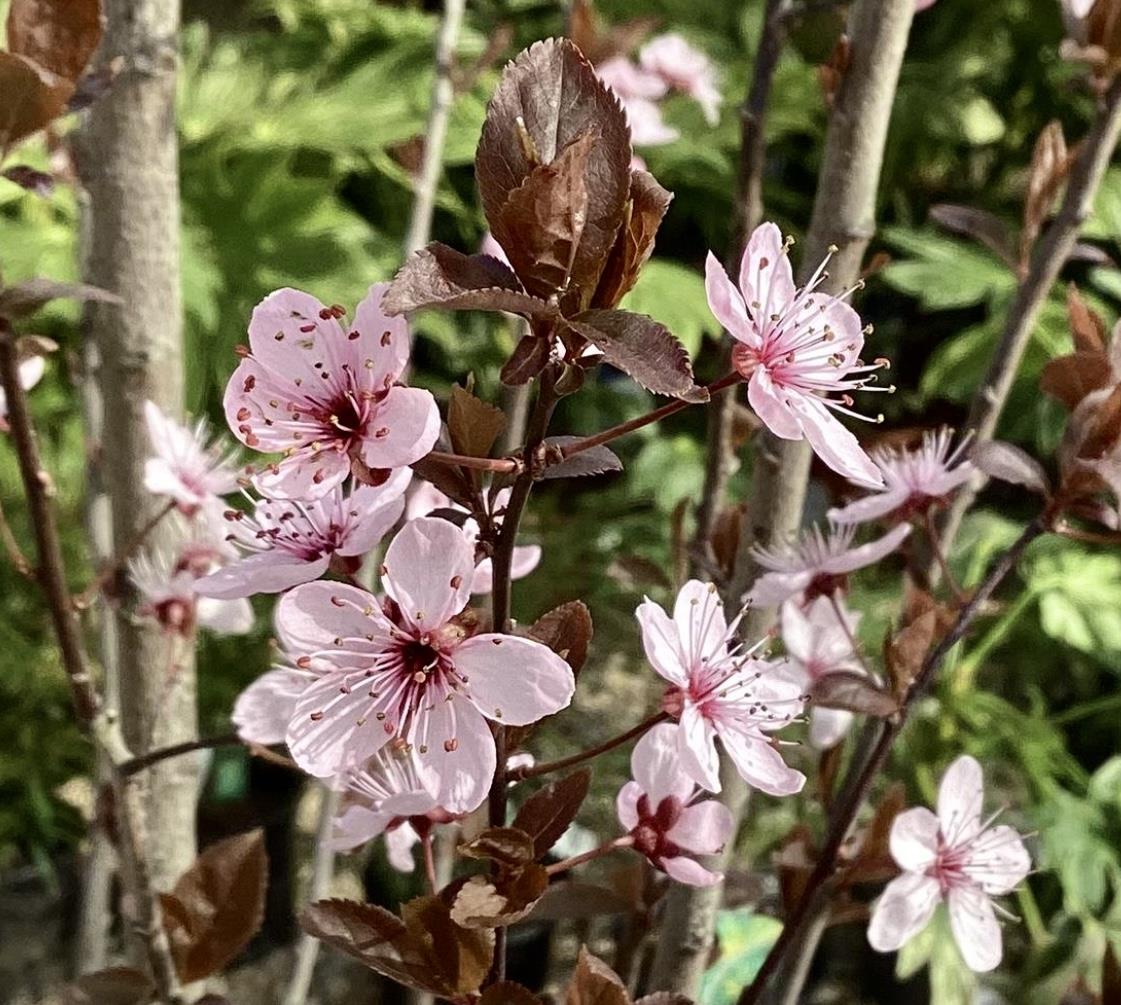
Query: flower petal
x=399, y=844
x=263, y=710
x=998, y=860
x=267, y=572
x=224, y=617
x=960, y=798
x=428, y=571
x=696, y=745
x=828, y=727
x=304, y=475
x=332, y=730
x=402, y=430
x=661, y=642
x=310, y=618
x=703, y=828
x=758, y=763
x=904, y=910
x=355, y=826
x=626, y=805
x=289, y=335
x=688, y=871
x=698, y=615
x=975, y=928
x=868, y=554
x=873, y=507
x=766, y=277
x=726, y=303
x=514, y=680
x=833, y=442
x=914, y=839
x=656, y=765
x=797, y=632
x=383, y=340
x=372, y=511
x=772, y=588
x=771, y=406
x=524, y=560
x=460, y=753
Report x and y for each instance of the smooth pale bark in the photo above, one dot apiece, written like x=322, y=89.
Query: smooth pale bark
x=127, y=158
x=843, y=216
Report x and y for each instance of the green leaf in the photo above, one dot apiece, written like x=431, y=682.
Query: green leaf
x=745, y=939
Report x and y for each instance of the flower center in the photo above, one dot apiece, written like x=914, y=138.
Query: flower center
x=653, y=824
x=825, y=584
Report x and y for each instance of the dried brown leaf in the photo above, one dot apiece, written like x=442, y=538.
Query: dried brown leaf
x=599, y=460
x=508, y=846
x=1104, y=430
x=32, y=98
x=59, y=35
x=1087, y=327
x=904, y=653
x=1008, y=463
x=526, y=361
x=594, y=983
x=854, y=692
x=567, y=630
x=473, y=424
x=439, y=276
x=642, y=348
x=547, y=814
x=1050, y=164
x=634, y=244
x=491, y=902
x=217, y=906
x=984, y=227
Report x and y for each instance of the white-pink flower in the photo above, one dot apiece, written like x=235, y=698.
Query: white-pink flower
x=525, y=558
x=263, y=710
x=1077, y=8
x=410, y=671
x=817, y=644
x=664, y=814
x=187, y=466
x=799, y=351
x=921, y=5
x=638, y=91
x=718, y=690
x=166, y=582
x=285, y=542
x=683, y=68
x=819, y=564
x=31, y=371
x=914, y=480
x=955, y=857
x=324, y=394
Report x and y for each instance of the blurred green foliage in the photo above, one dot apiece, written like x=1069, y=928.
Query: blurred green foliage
x=296, y=120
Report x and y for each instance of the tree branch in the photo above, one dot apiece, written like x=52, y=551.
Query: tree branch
x=854, y=799
x=548, y=767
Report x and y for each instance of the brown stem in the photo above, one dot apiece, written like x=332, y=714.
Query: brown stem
x=1088, y=536
x=548, y=767
x=131, y=767
x=429, y=860
x=83, y=600
x=748, y=216
x=853, y=799
x=499, y=465
x=11, y=546
x=1047, y=260
x=614, y=432
x=940, y=558
x=51, y=575
x=588, y=856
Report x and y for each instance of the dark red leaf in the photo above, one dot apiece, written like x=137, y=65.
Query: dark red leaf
x=635, y=242
x=599, y=460
x=27, y=297
x=984, y=227
x=1008, y=463
x=59, y=35
x=547, y=814
x=113, y=986
x=506, y=845
x=492, y=902
x=642, y=348
x=1086, y=325
x=33, y=98
x=567, y=630
x=527, y=360
x=853, y=692
x=595, y=983
x=217, y=906
x=473, y=424
x=1070, y=378
x=439, y=276
x=38, y=182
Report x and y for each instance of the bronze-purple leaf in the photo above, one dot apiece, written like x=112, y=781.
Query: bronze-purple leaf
x=506, y=845
x=33, y=98
x=635, y=241
x=854, y=692
x=112, y=986
x=38, y=182
x=595, y=983
x=567, y=630
x=473, y=424
x=508, y=993
x=439, y=276
x=547, y=814
x=493, y=902
x=1008, y=463
x=217, y=906
x=642, y=348
x=460, y=957
x=526, y=361
x=59, y=35
x=598, y=460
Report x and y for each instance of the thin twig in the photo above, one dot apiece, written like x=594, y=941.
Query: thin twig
x=854, y=799
x=104, y=729
x=548, y=767
x=11, y=546
x=435, y=132
x=109, y=572
x=1047, y=261
x=499, y=465
x=939, y=554
x=588, y=856
x=146, y=760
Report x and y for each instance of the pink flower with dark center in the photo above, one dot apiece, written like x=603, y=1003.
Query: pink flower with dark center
x=954, y=857
x=915, y=481
x=391, y=794
x=526, y=557
x=188, y=467
x=799, y=351
x=819, y=565
x=685, y=69
x=817, y=644
x=31, y=371
x=166, y=582
x=663, y=813
x=718, y=690
x=326, y=395
x=263, y=710
x=410, y=671
x=285, y=542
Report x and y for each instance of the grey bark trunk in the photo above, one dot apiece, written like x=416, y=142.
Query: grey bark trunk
x=127, y=157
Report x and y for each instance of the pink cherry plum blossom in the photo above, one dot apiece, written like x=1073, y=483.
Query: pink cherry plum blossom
x=187, y=467
x=799, y=351
x=683, y=68
x=817, y=644
x=638, y=91
x=718, y=690
x=286, y=542
x=956, y=857
x=410, y=671
x=526, y=557
x=914, y=480
x=263, y=710
x=326, y=395
x=663, y=814
x=819, y=564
